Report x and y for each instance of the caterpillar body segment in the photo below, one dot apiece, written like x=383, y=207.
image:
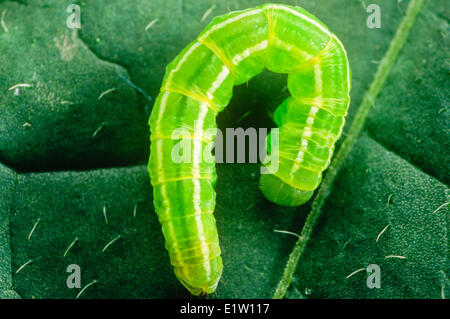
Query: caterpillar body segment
x=198, y=85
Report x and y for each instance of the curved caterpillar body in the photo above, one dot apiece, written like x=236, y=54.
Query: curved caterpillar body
x=198, y=85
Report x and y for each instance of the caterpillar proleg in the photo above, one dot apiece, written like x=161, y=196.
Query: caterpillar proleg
x=198, y=85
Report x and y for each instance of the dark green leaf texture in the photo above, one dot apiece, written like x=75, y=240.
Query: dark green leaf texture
x=392, y=192
x=75, y=165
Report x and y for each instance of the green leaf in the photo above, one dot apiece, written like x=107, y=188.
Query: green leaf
x=76, y=141
x=7, y=186
x=377, y=188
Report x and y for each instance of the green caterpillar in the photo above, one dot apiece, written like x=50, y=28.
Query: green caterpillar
x=198, y=85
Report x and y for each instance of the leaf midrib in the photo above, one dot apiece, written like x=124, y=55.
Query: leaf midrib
x=356, y=127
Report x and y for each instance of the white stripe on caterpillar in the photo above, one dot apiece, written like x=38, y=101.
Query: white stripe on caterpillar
x=218, y=82
x=227, y=22
x=302, y=16
x=247, y=52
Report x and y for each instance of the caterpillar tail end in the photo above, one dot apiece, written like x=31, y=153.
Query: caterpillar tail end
x=198, y=279
x=280, y=193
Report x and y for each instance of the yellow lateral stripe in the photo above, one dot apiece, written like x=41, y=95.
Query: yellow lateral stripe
x=270, y=23
x=322, y=133
x=195, y=247
x=299, y=164
x=190, y=265
x=323, y=103
x=187, y=256
x=180, y=178
x=192, y=95
x=315, y=60
x=293, y=48
x=190, y=238
x=218, y=52
x=301, y=16
x=304, y=151
x=272, y=38
x=209, y=212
